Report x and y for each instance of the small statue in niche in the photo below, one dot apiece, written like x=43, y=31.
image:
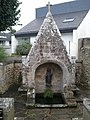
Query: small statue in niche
x=48, y=77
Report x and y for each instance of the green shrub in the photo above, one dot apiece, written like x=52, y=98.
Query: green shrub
x=23, y=49
x=3, y=54
x=13, y=55
x=48, y=93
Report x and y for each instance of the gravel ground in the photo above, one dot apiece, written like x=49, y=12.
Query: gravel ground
x=44, y=113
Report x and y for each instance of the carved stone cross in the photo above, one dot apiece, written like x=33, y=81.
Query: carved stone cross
x=49, y=7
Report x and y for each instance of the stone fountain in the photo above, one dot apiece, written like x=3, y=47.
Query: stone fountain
x=48, y=65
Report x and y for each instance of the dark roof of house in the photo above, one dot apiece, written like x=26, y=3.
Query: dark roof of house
x=33, y=27
x=5, y=37
x=67, y=7
x=75, y=9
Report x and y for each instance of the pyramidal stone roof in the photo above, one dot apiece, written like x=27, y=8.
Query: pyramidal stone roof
x=48, y=44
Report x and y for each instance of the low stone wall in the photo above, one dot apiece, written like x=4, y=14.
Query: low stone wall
x=86, y=109
x=6, y=109
x=9, y=74
x=83, y=67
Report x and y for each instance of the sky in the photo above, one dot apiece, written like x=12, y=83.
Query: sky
x=28, y=9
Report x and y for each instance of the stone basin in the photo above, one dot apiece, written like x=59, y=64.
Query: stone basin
x=56, y=101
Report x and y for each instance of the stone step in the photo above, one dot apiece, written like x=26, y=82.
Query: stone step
x=77, y=119
x=18, y=118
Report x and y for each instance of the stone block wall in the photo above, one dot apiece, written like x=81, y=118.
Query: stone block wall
x=86, y=109
x=78, y=72
x=84, y=58
x=7, y=106
x=9, y=74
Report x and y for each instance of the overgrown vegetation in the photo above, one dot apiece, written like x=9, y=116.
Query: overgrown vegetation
x=23, y=49
x=3, y=54
x=48, y=93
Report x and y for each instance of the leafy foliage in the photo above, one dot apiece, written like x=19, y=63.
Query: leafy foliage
x=12, y=31
x=48, y=93
x=23, y=49
x=9, y=13
x=3, y=54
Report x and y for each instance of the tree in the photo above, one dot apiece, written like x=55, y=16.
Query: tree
x=9, y=13
x=12, y=31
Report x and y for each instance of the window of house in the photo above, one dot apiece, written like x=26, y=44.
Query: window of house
x=2, y=42
x=68, y=20
x=23, y=40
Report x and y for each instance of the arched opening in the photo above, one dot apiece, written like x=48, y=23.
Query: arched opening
x=41, y=85
x=56, y=80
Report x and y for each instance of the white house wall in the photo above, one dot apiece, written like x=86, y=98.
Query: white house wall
x=75, y=44
x=7, y=47
x=32, y=40
x=68, y=40
x=14, y=42
x=84, y=28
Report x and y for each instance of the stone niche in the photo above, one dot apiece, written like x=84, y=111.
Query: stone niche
x=57, y=77
x=50, y=52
